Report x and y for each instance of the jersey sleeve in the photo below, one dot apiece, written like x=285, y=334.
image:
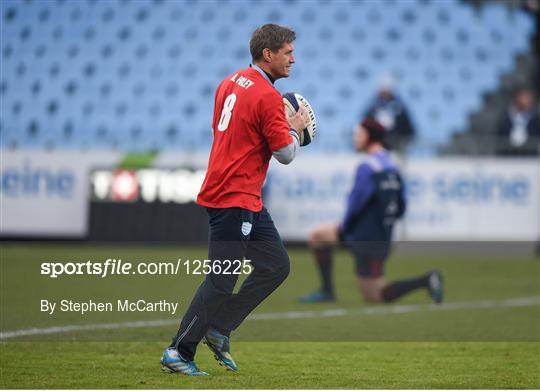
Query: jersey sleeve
x=363, y=189
x=274, y=125
x=217, y=110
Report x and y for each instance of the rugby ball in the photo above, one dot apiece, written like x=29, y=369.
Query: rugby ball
x=292, y=102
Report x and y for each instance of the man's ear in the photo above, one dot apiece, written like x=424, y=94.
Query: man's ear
x=267, y=55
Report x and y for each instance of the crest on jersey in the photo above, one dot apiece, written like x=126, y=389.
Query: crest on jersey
x=246, y=228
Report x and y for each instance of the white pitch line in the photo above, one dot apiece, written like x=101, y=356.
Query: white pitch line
x=331, y=313
x=401, y=309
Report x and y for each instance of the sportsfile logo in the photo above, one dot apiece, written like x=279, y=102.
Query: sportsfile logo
x=26, y=180
x=119, y=267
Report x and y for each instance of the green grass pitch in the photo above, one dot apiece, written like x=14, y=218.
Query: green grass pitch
x=480, y=339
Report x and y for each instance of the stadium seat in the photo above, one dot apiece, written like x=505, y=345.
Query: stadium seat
x=141, y=75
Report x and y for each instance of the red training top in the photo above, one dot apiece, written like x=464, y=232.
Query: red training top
x=249, y=123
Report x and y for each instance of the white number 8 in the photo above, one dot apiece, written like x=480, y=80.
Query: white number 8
x=226, y=112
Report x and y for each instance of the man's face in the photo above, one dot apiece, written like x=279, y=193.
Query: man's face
x=281, y=61
x=385, y=94
x=360, y=138
x=524, y=101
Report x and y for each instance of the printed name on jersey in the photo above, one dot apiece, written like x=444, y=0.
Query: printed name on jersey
x=242, y=81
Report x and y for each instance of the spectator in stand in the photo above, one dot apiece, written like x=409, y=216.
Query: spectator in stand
x=519, y=128
x=390, y=111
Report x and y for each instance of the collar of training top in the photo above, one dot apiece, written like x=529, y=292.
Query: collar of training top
x=263, y=73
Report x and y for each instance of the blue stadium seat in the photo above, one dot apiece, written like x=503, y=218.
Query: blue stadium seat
x=141, y=75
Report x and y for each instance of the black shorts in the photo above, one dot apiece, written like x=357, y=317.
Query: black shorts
x=370, y=256
x=236, y=233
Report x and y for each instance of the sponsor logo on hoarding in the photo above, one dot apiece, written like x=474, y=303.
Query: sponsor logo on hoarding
x=148, y=185
x=124, y=186
x=33, y=181
x=465, y=189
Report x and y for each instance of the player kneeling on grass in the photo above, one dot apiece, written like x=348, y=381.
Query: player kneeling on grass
x=250, y=127
x=375, y=202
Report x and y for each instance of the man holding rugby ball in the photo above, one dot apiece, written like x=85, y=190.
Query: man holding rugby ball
x=250, y=126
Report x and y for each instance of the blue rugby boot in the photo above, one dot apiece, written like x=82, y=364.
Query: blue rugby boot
x=220, y=346
x=319, y=296
x=435, y=286
x=172, y=363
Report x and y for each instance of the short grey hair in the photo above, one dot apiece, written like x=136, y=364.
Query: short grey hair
x=271, y=36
